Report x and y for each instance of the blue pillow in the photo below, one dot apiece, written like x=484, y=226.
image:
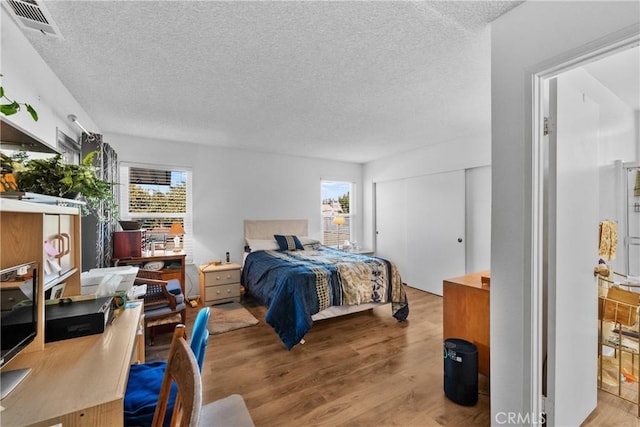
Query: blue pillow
x=288, y=243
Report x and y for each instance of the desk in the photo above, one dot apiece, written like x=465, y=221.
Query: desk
x=80, y=381
x=465, y=309
x=174, y=260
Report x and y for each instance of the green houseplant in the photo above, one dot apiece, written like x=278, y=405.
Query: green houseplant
x=53, y=177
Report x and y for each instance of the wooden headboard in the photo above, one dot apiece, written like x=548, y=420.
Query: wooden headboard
x=264, y=229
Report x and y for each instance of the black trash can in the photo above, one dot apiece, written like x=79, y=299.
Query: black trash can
x=461, y=371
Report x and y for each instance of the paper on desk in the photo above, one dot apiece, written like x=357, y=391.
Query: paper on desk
x=108, y=285
x=26, y=288
x=136, y=292
x=51, y=266
x=132, y=304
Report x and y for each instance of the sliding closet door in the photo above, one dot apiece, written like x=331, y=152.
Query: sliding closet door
x=435, y=230
x=420, y=225
x=390, y=222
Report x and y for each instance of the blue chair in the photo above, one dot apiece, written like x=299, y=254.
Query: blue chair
x=200, y=335
x=145, y=380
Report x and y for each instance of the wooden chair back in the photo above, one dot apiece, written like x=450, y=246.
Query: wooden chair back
x=157, y=293
x=160, y=306
x=182, y=368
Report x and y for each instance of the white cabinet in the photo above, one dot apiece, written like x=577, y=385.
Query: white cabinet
x=59, y=247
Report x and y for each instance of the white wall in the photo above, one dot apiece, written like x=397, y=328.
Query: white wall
x=637, y=121
x=616, y=141
x=529, y=37
x=478, y=219
x=27, y=78
x=230, y=186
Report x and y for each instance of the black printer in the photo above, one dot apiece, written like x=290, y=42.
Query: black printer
x=72, y=319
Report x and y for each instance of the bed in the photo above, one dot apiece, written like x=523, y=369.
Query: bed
x=301, y=281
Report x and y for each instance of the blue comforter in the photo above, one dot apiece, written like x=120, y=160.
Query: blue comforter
x=295, y=285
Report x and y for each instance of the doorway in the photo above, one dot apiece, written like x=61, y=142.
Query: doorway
x=574, y=179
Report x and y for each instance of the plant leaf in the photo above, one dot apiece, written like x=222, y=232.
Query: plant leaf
x=32, y=112
x=1, y=92
x=9, y=109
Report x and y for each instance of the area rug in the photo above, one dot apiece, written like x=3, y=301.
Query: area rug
x=229, y=317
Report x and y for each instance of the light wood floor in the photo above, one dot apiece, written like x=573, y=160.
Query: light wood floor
x=364, y=369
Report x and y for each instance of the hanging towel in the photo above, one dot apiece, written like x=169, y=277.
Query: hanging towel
x=608, y=240
x=636, y=190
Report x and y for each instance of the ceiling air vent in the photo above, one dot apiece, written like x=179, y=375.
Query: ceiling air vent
x=32, y=15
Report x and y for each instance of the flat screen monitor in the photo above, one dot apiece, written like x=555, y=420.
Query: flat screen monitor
x=18, y=319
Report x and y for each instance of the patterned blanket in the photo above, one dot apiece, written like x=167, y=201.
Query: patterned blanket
x=298, y=284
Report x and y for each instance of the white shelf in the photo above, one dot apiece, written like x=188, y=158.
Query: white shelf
x=51, y=281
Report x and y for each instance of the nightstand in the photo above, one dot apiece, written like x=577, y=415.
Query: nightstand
x=220, y=284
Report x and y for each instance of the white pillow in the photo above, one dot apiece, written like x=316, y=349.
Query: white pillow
x=262, y=245
x=308, y=240
x=309, y=244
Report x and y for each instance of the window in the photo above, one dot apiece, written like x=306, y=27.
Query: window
x=336, y=202
x=158, y=196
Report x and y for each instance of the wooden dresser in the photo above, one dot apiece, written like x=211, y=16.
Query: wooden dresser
x=173, y=266
x=465, y=308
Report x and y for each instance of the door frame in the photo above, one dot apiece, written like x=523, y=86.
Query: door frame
x=542, y=239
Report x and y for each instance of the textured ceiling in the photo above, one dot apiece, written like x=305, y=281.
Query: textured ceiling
x=355, y=81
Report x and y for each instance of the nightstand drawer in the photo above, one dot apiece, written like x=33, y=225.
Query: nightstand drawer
x=223, y=277
x=214, y=293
